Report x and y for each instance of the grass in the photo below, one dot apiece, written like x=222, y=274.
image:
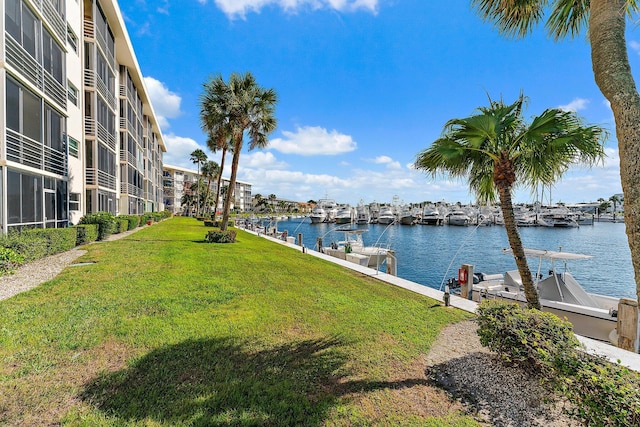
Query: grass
x=166, y=330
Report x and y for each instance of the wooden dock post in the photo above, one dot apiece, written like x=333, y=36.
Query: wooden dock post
x=392, y=267
x=299, y=239
x=627, y=324
x=466, y=289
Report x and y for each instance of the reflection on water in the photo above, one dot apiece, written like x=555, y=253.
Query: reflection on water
x=429, y=255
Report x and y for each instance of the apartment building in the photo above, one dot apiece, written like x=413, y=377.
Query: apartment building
x=78, y=132
x=180, y=181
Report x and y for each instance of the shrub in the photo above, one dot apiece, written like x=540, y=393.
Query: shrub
x=217, y=236
x=122, y=225
x=208, y=223
x=601, y=393
x=31, y=246
x=105, y=220
x=132, y=221
x=9, y=260
x=536, y=339
x=86, y=233
x=604, y=394
x=58, y=239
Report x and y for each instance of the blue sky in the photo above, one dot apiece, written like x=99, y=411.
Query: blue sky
x=363, y=86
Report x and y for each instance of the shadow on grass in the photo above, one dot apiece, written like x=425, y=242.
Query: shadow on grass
x=219, y=382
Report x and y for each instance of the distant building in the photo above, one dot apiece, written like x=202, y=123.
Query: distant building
x=178, y=181
x=78, y=133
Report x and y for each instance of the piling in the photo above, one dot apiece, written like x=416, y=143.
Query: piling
x=392, y=267
x=466, y=289
x=627, y=324
x=300, y=239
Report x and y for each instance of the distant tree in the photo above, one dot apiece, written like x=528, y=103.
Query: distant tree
x=234, y=108
x=219, y=140
x=198, y=156
x=497, y=150
x=210, y=170
x=615, y=200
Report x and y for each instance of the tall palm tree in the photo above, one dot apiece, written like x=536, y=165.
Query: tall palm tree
x=210, y=170
x=198, y=156
x=236, y=107
x=219, y=140
x=497, y=151
x=605, y=23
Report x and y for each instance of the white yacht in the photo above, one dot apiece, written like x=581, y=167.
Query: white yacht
x=386, y=216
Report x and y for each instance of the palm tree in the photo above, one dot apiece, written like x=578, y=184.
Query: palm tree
x=497, y=151
x=615, y=200
x=219, y=140
x=210, y=170
x=605, y=22
x=198, y=156
x=235, y=108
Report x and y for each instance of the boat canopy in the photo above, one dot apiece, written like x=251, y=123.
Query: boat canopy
x=551, y=255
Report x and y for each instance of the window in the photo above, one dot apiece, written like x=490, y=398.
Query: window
x=54, y=128
x=72, y=39
x=72, y=93
x=52, y=57
x=24, y=201
x=24, y=110
x=73, y=147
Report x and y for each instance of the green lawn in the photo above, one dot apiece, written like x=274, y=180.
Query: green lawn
x=167, y=330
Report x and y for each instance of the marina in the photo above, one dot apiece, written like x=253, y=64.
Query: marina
x=431, y=255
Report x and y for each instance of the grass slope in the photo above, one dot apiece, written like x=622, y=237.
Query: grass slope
x=166, y=330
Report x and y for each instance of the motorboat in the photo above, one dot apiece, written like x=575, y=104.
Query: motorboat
x=386, y=216
x=458, y=217
x=318, y=215
x=556, y=220
x=324, y=211
x=431, y=216
x=344, y=215
x=407, y=217
x=362, y=214
x=592, y=315
x=352, y=243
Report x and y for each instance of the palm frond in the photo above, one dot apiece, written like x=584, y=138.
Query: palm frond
x=568, y=18
x=514, y=18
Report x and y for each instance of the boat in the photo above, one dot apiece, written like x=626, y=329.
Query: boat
x=592, y=315
x=318, y=215
x=324, y=211
x=431, y=216
x=370, y=256
x=458, y=217
x=556, y=220
x=344, y=215
x=362, y=214
x=407, y=217
x=386, y=216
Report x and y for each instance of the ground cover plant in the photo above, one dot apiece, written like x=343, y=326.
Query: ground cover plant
x=164, y=329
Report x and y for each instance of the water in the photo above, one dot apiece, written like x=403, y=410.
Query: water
x=429, y=255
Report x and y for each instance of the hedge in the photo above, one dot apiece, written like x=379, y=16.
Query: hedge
x=86, y=233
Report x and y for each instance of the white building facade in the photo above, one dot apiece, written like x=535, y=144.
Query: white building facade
x=180, y=181
x=78, y=133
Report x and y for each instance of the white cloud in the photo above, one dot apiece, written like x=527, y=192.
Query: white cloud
x=239, y=8
x=635, y=46
x=179, y=151
x=575, y=105
x=310, y=141
x=261, y=159
x=386, y=160
x=166, y=104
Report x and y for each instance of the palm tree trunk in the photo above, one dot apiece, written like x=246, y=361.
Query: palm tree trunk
x=516, y=245
x=224, y=154
x=237, y=147
x=612, y=73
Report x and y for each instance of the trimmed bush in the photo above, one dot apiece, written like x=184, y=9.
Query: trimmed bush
x=105, y=220
x=86, y=233
x=30, y=245
x=58, y=239
x=208, y=223
x=601, y=393
x=122, y=225
x=132, y=221
x=9, y=260
x=217, y=236
x=533, y=338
